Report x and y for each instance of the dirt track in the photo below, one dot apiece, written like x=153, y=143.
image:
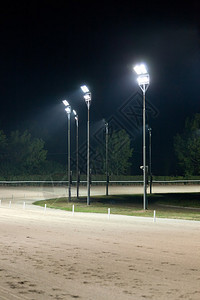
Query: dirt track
x=55, y=255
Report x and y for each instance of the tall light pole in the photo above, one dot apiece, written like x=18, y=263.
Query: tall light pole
x=107, y=179
x=68, y=111
x=143, y=82
x=150, y=174
x=77, y=171
x=87, y=97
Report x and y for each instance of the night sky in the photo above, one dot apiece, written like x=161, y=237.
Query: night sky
x=48, y=49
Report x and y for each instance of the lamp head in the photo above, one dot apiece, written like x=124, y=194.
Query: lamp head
x=87, y=97
x=85, y=89
x=140, y=69
x=65, y=102
x=143, y=79
x=68, y=109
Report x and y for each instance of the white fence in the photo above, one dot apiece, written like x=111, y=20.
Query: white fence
x=95, y=182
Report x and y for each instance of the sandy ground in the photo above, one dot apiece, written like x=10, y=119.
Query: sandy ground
x=57, y=255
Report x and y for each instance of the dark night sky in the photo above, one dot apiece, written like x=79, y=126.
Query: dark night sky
x=48, y=49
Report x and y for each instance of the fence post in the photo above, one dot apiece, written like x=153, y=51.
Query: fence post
x=109, y=213
x=154, y=216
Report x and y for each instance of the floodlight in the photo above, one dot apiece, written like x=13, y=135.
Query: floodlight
x=140, y=69
x=87, y=97
x=65, y=102
x=143, y=82
x=84, y=89
x=137, y=69
x=68, y=109
x=143, y=69
x=143, y=79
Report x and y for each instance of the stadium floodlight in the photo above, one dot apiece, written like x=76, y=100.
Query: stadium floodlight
x=75, y=116
x=143, y=82
x=77, y=170
x=150, y=160
x=68, y=111
x=140, y=69
x=65, y=102
x=87, y=97
x=85, y=89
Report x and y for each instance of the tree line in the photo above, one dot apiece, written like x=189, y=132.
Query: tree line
x=187, y=147
x=23, y=154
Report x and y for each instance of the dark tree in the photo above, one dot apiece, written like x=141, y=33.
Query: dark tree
x=20, y=153
x=187, y=146
x=119, y=154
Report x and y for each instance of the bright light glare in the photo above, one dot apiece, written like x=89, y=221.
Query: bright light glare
x=87, y=97
x=143, y=69
x=140, y=69
x=143, y=79
x=74, y=112
x=68, y=109
x=65, y=102
x=84, y=89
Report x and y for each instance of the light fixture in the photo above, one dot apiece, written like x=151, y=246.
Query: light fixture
x=84, y=88
x=140, y=69
x=68, y=109
x=143, y=79
x=65, y=102
x=87, y=97
x=143, y=82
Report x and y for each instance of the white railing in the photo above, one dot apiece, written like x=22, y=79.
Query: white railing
x=54, y=182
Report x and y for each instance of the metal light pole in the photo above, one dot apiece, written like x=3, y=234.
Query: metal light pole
x=88, y=97
x=106, y=125
x=68, y=111
x=77, y=171
x=143, y=82
x=150, y=174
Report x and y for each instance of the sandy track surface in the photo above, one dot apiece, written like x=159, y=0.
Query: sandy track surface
x=31, y=193
x=57, y=255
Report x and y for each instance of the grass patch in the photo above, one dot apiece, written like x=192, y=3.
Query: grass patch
x=175, y=206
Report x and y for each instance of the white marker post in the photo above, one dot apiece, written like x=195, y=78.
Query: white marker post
x=24, y=205
x=45, y=208
x=72, y=209
x=10, y=204
x=109, y=213
x=154, y=216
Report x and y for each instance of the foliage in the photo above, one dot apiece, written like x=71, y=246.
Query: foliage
x=119, y=153
x=20, y=153
x=187, y=146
